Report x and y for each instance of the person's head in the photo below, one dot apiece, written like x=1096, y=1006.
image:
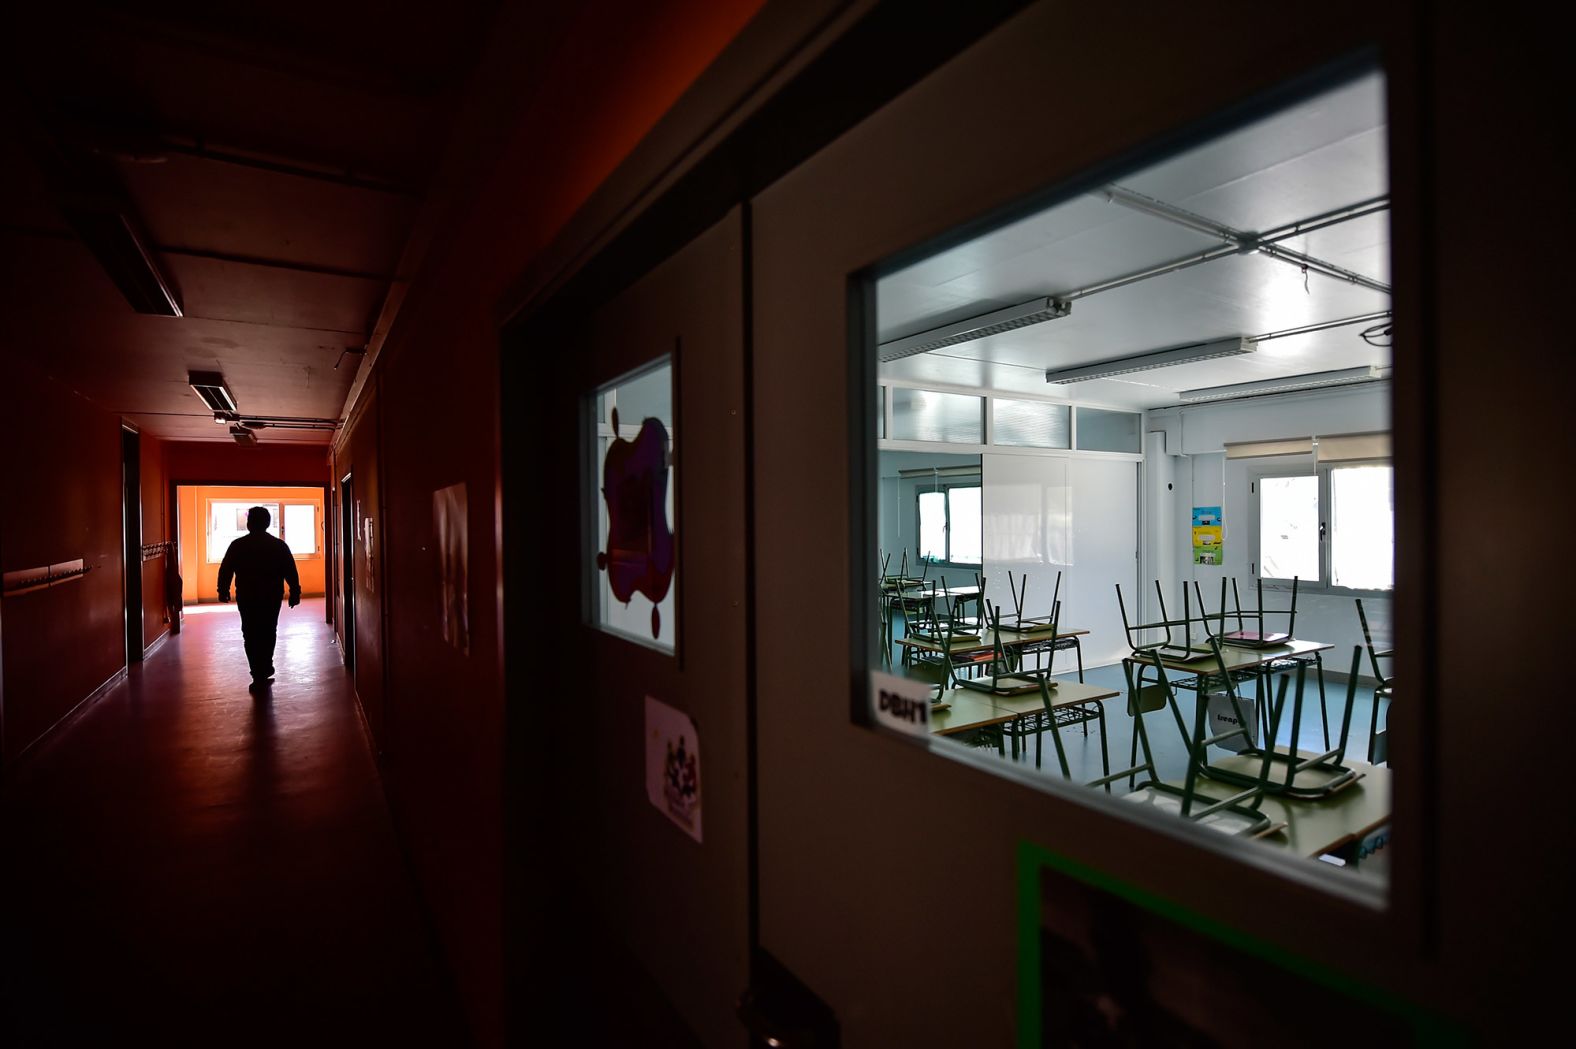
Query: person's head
x=257, y=518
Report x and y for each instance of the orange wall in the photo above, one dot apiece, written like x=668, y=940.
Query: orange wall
x=199, y=578
x=155, y=517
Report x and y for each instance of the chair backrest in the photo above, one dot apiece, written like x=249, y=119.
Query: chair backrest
x=1368, y=643
x=936, y=670
x=1165, y=622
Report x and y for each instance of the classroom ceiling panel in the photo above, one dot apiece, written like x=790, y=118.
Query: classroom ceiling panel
x=1325, y=154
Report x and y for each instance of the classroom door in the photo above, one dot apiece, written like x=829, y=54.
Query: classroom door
x=658, y=674
x=888, y=877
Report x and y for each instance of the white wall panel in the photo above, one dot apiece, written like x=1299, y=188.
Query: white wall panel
x=1103, y=552
x=1026, y=527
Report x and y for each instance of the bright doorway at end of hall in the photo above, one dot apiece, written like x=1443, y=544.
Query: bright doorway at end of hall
x=213, y=516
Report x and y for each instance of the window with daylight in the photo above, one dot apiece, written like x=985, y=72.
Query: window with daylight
x=1331, y=528
x=950, y=526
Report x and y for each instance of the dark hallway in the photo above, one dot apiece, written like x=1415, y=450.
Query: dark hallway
x=192, y=866
x=594, y=359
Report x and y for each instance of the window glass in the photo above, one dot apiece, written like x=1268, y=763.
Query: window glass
x=1030, y=424
x=926, y=415
x=1362, y=528
x=963, y=518
x=933, y=526
x=1100, y=430
x=227, y=523
x=300, y=529
x=634, y=570
x=1289, y=527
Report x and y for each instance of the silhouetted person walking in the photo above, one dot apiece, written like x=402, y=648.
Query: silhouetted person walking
x=261, y=565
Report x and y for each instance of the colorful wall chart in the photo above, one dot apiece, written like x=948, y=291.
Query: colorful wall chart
x=1208, y=535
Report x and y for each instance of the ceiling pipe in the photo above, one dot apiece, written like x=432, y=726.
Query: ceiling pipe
x=1238, y=242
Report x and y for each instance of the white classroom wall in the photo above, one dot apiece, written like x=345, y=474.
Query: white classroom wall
x=1193, y=440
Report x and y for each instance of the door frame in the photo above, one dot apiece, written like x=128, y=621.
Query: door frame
x=131, y=539
x=345, y=576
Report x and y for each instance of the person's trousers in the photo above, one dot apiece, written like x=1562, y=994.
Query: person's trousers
x=259, y=628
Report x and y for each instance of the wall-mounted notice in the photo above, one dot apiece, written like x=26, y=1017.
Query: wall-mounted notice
x=1208, y=535
x=899, y=703
x=673, y=765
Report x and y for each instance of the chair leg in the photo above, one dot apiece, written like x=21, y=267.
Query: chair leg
x=1324, y=711
x=1105, y=750
x=1373, y=725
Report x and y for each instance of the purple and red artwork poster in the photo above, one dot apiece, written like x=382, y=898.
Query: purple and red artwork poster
x=640, y=547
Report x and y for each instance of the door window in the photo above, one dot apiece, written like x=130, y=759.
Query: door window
x=634, y=581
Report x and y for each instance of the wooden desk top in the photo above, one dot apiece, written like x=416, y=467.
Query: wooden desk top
x=1314, y=827
x=1065, y=694
x=969, y=709
x=1009, y=639
x=1238, y=658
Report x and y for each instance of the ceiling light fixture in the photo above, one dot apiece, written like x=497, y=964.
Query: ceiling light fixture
x=1310, y=381
x=214, y=393
x=986, y=324
x=242, y=435
x=1203, y=351
x=110, y=230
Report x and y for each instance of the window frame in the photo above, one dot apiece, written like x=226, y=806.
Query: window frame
x=216, y=556
x=945, y=487
x=1322, y=472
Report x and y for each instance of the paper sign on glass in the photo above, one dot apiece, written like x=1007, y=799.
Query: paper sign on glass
x=900, y=703
x=673, y=765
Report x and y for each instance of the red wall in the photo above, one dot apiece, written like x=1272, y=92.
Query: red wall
x=226, y=461
x=613, y=69
x=60, y=464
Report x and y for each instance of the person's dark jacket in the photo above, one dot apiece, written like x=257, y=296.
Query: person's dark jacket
x=261, y=565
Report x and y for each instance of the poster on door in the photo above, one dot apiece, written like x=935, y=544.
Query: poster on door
x=1208, y=535
x=673, y=765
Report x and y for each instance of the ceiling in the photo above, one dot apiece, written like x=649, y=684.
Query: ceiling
x=275, y=156
x=1323, y=154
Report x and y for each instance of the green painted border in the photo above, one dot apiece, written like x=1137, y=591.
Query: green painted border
x=1428, y=1028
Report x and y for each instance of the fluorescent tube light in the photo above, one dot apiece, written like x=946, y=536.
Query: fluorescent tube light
x=1140, y=362
x=1310, y=381
x=214, y=393
x=986, y=324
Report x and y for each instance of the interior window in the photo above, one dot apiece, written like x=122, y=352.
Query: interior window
x=1141, y=573
x=633, y=589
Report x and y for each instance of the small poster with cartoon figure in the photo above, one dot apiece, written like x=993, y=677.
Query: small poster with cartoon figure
x=1208, y=535
x=673, y=765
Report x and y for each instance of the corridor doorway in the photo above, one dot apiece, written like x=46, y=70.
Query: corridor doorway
x=347, y=577
x=211, y=516
x=131, y=531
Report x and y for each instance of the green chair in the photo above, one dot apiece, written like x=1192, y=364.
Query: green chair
x=1239, y=812
x=1378, y=742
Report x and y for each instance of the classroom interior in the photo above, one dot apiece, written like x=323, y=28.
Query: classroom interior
x=1134, y=501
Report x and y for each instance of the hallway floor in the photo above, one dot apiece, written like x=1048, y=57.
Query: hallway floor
x=196, y=866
